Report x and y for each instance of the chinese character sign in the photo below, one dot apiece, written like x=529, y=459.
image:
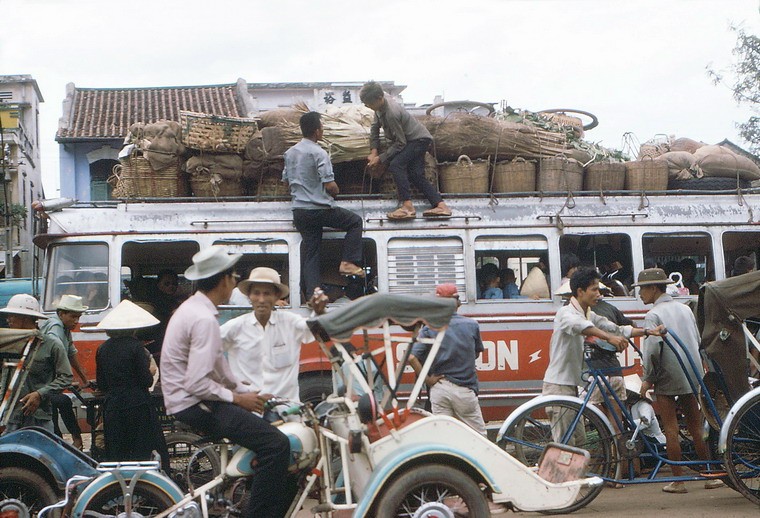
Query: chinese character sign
x=329, y=98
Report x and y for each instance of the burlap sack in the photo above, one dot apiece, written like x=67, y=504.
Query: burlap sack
x=535, y=286
x=721, y=161
x=159, y=141
x=682, y=165
x=279, y=116
x=227, y=165
x=278, y=139
x=685, y=144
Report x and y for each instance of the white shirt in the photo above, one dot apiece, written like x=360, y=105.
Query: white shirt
x=566, y=348
x=193, y=368
x=267, y=358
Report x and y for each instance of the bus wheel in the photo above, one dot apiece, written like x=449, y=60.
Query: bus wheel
x=315, y=388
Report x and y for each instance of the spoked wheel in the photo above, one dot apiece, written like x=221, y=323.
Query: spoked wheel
x=27, y=487
x=531, y=431
x=433, y=491
x=742, y=457
x=193, y=461
x=148, y=500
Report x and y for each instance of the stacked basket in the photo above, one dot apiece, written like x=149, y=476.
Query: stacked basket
x=559, y=174
x=517, y=175
x=134, y=177
x=464, y=176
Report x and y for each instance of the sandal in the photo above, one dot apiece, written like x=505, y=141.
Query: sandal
x=402, y=213
x=352, y=271
x=675, y=487
x=437, y=212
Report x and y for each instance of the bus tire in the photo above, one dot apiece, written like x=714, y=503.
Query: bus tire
x=28, y=487
x=434, y=489
x=528, y=435
x=314, y=388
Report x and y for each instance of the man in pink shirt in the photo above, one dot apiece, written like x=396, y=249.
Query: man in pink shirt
x=200, y=390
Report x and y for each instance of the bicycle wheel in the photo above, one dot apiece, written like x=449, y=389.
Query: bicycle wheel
x=742, y=456
x=190, y=469
x=147, y=500
x=528, y=435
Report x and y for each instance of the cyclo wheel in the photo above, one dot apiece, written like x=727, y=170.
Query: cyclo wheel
x=742, y=456
x=147, y=500
x=27, y=487
x=527, y=437
x=432, y=490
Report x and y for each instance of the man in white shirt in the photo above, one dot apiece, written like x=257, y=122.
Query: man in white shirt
x=264, y=346
x=200, y=390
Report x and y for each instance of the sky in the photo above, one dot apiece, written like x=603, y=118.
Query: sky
x=639, y=66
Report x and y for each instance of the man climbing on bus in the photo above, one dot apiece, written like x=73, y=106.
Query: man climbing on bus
x=309, y=173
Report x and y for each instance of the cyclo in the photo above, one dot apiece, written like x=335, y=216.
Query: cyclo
x=358, y=457
x=730, y=407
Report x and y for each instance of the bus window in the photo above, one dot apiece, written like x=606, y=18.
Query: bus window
x=145, y=260
x=687, y=255
x=741, y=251
x=610, y=253
x=418, y=265
x=337, y=287
x=77, y=269
x=503, y=263
x=270, y=253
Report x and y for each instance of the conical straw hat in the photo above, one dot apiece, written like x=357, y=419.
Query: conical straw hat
x=127, y=315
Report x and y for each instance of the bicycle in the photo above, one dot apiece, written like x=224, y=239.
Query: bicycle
x=528, y=430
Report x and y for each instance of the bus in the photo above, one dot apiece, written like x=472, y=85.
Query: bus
x=101, y=249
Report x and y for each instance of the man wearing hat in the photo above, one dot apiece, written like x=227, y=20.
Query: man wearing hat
x=49, y=373
x=453, y=381
x=264, y=346
x=58, y=328
x=663, y=371
x=123, y=374
x=200, y=390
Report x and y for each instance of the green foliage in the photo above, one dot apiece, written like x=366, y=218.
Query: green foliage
x=745, y=83
x=18, y=213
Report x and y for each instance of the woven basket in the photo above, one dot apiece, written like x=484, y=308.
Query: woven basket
x=216, y=133
x=646, y=175
x=135, y=178
x=206, y=184
x=559, y=174
x=605, y=176
x=272, y=185
x=464, y=176
x=518, y=175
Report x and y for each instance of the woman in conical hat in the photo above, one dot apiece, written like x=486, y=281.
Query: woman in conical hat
x=123, y=374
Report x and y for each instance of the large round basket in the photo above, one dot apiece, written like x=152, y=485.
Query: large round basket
x=605, y=176
x=135, y=178
x=646, y=175
x=464, y=176
x=559, y=174
x=519, y=175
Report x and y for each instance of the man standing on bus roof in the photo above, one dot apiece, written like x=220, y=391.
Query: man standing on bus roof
x=309, y=173
x=405, y=158
x=49, y=373
x=263, y=347
x=59, y=327
x=200, y=390
x=453, y=381
x=572, y=323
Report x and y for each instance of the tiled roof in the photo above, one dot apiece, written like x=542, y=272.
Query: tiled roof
x=107, y=113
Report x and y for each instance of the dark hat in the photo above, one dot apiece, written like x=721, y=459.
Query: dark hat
x=651, y=277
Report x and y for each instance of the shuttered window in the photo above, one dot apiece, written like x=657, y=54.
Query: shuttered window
x=417, y=266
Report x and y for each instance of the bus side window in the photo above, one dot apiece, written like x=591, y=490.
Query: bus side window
x=512, y=267
x=609, y=253
x=741, y=251
x=77, y=269
x=686, y=256
x=337, y=287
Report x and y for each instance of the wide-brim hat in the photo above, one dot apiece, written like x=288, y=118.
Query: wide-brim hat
x=210, y=261
x=71, y=303
x=127, y=315
x=633, y=383
x=263, y=275
x=23, y=304
x=651, y=277
x=565, y=291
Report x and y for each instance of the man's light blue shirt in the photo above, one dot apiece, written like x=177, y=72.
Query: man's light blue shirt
x=307, y=169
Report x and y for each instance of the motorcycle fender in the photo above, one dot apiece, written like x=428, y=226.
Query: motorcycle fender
x=541, y=400
x=403, y=456
x=723, y=439
x=153, y=478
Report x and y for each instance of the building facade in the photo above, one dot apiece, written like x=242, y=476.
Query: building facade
x=20, y=170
